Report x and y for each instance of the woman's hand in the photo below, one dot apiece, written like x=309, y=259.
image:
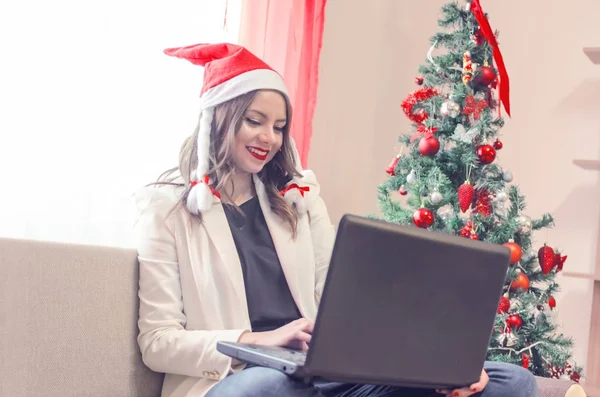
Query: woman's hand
x=468, y=391
x=295, y=335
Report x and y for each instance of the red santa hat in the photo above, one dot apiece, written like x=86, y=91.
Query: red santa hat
x=229, y=71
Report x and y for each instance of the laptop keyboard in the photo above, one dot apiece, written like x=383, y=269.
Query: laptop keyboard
x=297, y=357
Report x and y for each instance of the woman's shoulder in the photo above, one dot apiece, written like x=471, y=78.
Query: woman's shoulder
x=158, y=199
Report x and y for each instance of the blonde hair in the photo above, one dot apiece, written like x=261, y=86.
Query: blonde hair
x=226, y=123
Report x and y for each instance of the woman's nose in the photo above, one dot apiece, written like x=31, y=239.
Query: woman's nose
x=268, y=136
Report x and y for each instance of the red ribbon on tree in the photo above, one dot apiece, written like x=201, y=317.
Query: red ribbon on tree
x=302, y=189
x=426, y=131
x=486, y=29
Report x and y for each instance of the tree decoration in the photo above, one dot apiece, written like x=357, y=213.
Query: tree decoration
x=416, y=97
x=474, y=107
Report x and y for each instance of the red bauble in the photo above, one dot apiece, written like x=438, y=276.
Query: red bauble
x=521, y=282
x=546, y=258
x=515, y=252
x=486, y=154
x=473, y=235
x=423, y=218
x=429, y=146
x=419, y=80
x=525, y=358
x=551, y=302
x=403, y=191
x=514, y=321
x=485, y=76
x=391, y=169
x=504, y=304
x=498, y=144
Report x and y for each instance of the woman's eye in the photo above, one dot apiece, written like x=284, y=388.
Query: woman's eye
x=279, y=129
x=252, y=122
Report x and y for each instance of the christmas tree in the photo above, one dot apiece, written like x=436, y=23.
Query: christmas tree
x=451, y=183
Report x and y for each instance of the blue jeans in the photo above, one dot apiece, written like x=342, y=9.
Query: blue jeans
x=506, y=380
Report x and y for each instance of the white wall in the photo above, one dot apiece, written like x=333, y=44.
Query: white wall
x=369, y=60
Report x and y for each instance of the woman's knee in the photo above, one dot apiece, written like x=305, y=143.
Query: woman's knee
x=510, y=380
x=260, y=382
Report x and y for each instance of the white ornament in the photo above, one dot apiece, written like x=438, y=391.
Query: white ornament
x=501, y=209
x=446, y=212
x=462, y=135
x=450, y=108
x=436, y=197
x=507, y=176
x=465, y=216
x=501, y=196
x=525, y=224
x=410, y=178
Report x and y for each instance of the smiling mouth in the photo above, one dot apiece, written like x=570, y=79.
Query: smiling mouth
x=259, y=153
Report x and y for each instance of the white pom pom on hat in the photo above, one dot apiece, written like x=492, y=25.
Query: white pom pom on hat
x=229, y=71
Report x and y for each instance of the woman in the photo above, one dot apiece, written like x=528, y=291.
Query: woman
x=234, y=245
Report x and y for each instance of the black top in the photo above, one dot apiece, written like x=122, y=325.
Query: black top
x=270, y=302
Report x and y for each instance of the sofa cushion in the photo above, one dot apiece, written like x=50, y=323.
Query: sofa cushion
x=68, y=322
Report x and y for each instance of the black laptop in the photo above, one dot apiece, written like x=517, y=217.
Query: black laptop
x=401, y=306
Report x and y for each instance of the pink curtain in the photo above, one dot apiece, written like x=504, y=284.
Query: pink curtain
x=288, y=35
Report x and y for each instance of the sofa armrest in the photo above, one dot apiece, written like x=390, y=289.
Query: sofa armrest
x=548, y=387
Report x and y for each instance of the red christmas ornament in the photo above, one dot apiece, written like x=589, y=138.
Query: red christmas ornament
x=391, y=169
x=575, y=376
x=485, y=76
x=514, y=321
x=498, y=144
x=520, y=282
x=402, y=191
x=474, y=107
x=429, y=145
x=525, y=358
x=504, y=304
x=551, y=302
x=546, y=258
x=423, y=218
x=466, y=230
x=411, y=100
x=478, y=37
x=515, y=251
x=482, y=204
x=419, y=80
x=473, y=235
x=559, y=262
x=466, y=192
x=486, y=154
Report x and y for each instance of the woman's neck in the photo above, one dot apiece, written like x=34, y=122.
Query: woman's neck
x=241, y=188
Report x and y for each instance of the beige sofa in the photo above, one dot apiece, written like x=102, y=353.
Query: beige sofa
x=68, y=324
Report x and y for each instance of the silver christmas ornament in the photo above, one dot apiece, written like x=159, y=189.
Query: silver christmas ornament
x=446, y=212
x=436, y=197
x=525, y=224
x=450, y=108
x=507, y=176
x=410, y=178
x=501, y=196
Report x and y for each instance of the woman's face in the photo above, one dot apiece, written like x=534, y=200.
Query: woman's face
x=261, y=133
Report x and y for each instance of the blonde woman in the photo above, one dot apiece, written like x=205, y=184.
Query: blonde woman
x=234, y=245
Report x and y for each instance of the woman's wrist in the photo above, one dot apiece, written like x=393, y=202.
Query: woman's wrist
x=247, y=337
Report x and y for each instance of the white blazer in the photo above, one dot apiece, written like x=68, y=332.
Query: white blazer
x=191, y=286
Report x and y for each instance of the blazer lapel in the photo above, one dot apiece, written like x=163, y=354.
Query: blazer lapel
x=292, y=255
x=217, y=227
